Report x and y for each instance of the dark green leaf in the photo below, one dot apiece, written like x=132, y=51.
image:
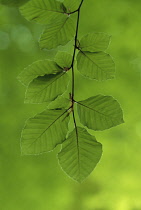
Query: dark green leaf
x=95, y=42
x=58, y=32
x=80, y=154
x=42, y=11
x=38, y=68
x=100, y=112
x=44, y=132
x=99, y=66
x=47, y=88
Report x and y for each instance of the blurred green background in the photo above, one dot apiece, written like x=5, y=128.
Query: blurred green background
x=37, y=182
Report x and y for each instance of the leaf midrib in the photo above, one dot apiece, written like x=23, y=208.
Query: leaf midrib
x=63, y=73
x=59, y=29
x=93, y=110
x=77, y=143
x=93, y=61
x=47, y=128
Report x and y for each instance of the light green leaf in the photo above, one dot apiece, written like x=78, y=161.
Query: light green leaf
x=60, y=103
x=42, y=11
x=47, y=88
x=99, y=66
x=38, y=68
x=80, y=154
x=72, y=5
x=100, y=112
x=58, y=32
x=64, y=60
x=95, y=42
x=13, y=3
x=44, y=132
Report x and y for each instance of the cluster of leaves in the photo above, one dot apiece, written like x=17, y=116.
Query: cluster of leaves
x=47, y=80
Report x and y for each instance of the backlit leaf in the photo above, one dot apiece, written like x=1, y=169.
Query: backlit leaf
x=47, y=88
x=71, y=5
x=44, y=132
x=38, y=68
x=42, y=11
x=100, y=112
x=60, y=102
x=58, y=32
x=64, y=60
x=95, y=42
x=99, y=66
x=80, y=154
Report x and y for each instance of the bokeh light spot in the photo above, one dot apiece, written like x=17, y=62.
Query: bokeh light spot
x=23, y=37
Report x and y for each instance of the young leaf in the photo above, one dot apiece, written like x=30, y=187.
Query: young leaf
x=99, y=66
x=80, y=154
x=95, y=42
x=38, y=68
x=71, y=5
x=13, y=3
x=58, y=32
x=42, y=11
x=64, y=60
x=59, y=103
x=44, y=132
x=47, y=88
x=100, y=112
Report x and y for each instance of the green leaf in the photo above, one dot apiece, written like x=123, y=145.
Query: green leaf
x=71, y=5
x=80, y=154
x=60, y=103
x=64, y=60
x=42, y=11
x=38, y=68
x=44, y=132
x=47, y=88
x=58, y=32
x=99, y=66
x=100, y=112
x=13, y=3
x=95, y=42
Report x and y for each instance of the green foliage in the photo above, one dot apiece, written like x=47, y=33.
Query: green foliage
x=100, y=112
x=99, y=65
x=94, y=42
x=59, y=103
x=45, y=131
x=63, y=60
x=80, y=154
x=38, y=68
x=42, y=11
x=59, y=32
x=71, y=5
x=46, y=88
x=47, y=80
